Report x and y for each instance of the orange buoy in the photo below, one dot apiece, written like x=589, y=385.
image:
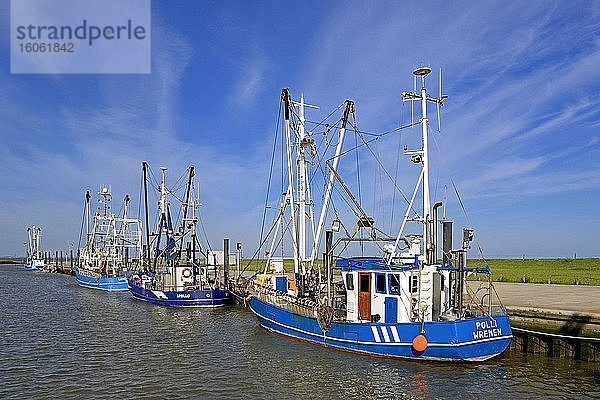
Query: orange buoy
x=419, y=343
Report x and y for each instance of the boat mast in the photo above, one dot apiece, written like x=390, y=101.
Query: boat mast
x=145, y=179
x=301, y=165
x=29, y=245
x=124, y=225
x=195, y=205
x=125, y=206
x=289, y=198
x=185, y=206
x=105, y=192
x=34, y=242
x=162, y=221
x=423, y=72
x=87, y=217
x=422, y=157
x=333, y=169
x=106, y=227
x=163, y=191
x=30, y=235
x=37, y=242
x=304, y=197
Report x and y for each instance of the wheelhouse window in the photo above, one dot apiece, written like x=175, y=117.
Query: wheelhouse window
x=394, y=283
x=380, y=283
x=364, y=283
x=414, y=284
x=349, y=281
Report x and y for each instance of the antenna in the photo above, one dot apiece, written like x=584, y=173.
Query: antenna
x=412, y=103
x=438, y=104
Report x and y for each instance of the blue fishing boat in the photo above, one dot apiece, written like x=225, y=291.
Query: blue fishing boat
x=174, y=274
x=112, y=247
x=35, y=258
x=401, y=302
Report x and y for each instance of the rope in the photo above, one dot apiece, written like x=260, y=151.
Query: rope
x=81, y=229
x=475, y=300
x=396, y=170
x=366, y=143
x=362, y=247
x=260, y=246
x=264, y=217
x=375, y=135
x=204, y=232
x=462, y=206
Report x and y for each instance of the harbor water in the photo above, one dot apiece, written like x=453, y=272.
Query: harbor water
x=63, y=341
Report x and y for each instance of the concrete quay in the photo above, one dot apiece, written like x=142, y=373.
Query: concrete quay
x=557, y=320
x=550, y=297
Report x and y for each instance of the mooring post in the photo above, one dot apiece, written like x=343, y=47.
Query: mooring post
x=226, y=261
x=238, y=257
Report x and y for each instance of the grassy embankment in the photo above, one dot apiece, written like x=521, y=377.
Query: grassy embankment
x=10, y=260
x=582, y=271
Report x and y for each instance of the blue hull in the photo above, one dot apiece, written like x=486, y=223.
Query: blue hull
x=32, y=268
x=112, y=284
x=473, y=339
x=182, y=298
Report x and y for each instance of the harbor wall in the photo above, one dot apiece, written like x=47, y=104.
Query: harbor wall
x=556, y=333
x=60, y=262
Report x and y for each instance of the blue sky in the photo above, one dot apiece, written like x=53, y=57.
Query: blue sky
x=520, y=129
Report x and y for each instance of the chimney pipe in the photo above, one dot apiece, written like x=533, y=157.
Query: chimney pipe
x=433, y=252
x=446, y=242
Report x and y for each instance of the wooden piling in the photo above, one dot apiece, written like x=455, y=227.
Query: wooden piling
x=556, y=333
x=554, y=345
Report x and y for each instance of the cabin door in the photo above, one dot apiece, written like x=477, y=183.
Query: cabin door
x=364, y=296
x=391, y=310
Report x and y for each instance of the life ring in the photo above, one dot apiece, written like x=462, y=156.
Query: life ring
x=186, y=273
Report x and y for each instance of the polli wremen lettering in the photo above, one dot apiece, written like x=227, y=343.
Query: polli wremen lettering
x=83, y=32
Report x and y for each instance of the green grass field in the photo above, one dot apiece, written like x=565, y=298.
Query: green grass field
x=582, y=271
x=11, y=260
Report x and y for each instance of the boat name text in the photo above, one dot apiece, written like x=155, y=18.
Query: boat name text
x=486, y=329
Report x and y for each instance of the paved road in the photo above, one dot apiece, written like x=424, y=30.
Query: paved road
x=570, y=298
